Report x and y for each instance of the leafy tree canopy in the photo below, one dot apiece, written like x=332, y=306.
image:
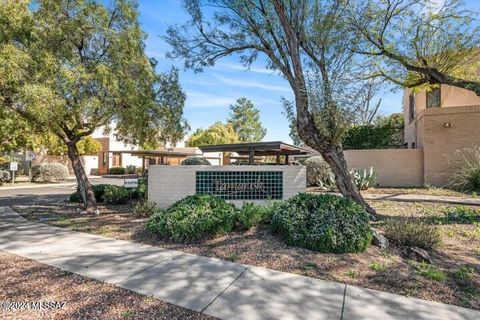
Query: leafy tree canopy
x=386, y=132
x=245, y=120
x=418, y=43
x=218, y=133
x=72, y=66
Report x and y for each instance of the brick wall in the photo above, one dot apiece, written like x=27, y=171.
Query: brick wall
x=440, y=142
x=167, y=184
x=395, y=167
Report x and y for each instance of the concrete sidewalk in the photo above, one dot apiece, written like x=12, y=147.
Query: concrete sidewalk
x=424, y=198
x=219, y=288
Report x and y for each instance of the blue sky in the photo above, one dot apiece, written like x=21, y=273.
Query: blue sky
x=211, y=92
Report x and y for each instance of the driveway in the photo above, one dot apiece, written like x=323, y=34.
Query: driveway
x=46, y=194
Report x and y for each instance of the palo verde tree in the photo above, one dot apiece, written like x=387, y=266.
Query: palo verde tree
x=245, y=120
x=306, y=41
x=418, y=43
x=72, y=66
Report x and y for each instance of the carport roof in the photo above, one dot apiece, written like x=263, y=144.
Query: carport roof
x=259, y=148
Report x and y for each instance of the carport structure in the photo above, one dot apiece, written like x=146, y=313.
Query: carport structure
x=273, y=148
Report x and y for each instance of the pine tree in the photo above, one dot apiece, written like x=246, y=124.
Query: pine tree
x=245, y=120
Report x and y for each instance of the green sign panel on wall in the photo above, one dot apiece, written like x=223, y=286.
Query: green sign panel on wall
x=240, y=185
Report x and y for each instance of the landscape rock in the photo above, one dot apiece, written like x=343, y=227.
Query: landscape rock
x=379, y=240
x=417, y=254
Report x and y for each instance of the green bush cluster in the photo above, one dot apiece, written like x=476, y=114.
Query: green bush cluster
x=412, y=233
x=112, y=194
x=383, y=134
x=116, y=170
x=195, y=161
x=460, y=214
x=250, y=215
x=4, y=176
x=324, y=222
x=193, y=218
x=49, y=172
x=144, y=209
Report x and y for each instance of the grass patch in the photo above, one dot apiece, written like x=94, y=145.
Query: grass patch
x=430, y=271
x=232, y=256
x=378, y=266
x=465, y=273
x=352, y=274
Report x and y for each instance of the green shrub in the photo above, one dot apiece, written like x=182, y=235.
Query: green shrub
x=75, y=197
x=116, y=170
x=386, y=133
x=116, y=195
x=412, y=233
x=466, y=166
x=141, y=191
x=363, y=178
x=99, y=191
x=319, y=173
x=49, y=172
x=323, y=222
x=193, y=218
x=144, y=209
x=4, y=176
x=250, y=215
x=195, y=161
x=460, y=214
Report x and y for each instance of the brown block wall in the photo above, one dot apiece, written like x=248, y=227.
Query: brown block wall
x=440, y=142
x=395, y=167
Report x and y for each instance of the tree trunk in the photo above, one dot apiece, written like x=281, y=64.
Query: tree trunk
x=84, y=187
x=336, y=159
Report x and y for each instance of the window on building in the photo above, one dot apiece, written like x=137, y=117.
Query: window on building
x=411, y=107
x=433, y=98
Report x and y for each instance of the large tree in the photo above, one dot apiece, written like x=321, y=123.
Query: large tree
x=72, y=66
x=245, y=120
x=218, y=133
x=416, y=43
x=306, y=41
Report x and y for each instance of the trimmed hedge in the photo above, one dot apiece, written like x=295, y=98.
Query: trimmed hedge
x=116, y=170
x=49, y=172
x=195, y=161
x=323, y=222
x=193, y=218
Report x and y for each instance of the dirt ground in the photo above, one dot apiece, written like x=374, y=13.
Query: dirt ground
x=454, y=276
x=69, y=296
x=427, y=191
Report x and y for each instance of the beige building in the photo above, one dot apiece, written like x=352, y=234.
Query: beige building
x=441, y=122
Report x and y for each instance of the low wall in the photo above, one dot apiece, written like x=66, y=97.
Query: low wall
x=395, y=167
x=167, y=184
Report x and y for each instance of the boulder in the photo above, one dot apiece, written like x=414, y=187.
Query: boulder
x=379, y=240
x=417, y=254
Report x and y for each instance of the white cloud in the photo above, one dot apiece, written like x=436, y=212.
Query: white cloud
x=250, y=84
x=239, y=67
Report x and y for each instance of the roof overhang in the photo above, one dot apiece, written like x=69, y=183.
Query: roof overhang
x=259, y=148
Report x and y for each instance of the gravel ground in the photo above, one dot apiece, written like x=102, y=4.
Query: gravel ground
x=25, y=280
x=374, y=268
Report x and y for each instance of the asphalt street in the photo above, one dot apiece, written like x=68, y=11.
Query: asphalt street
x=25, y=196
